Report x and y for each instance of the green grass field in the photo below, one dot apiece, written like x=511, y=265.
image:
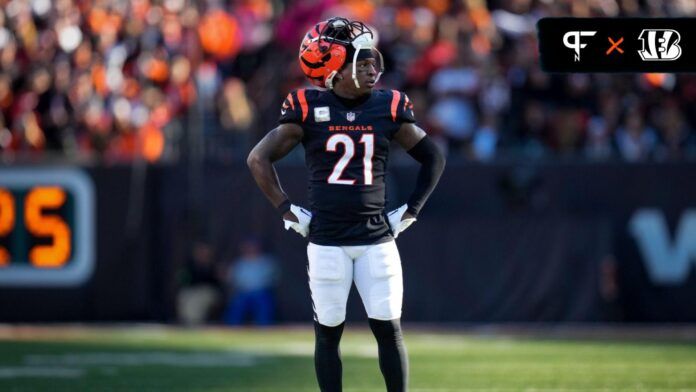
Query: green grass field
x=156, y=358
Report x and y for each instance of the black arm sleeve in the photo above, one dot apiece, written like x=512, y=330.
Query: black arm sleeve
x=432, y=164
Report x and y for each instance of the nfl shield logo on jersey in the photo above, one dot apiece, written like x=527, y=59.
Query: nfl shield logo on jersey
x=350, y=116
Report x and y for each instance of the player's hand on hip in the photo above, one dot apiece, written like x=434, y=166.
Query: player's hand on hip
x=400, y=220
x=297, y=219
x=289, y=216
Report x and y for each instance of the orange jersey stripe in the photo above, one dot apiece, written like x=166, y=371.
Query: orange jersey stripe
x=396, y=97
x=292, y=101
x=303, y=103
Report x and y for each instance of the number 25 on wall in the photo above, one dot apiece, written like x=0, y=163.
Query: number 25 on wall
x=38, y=224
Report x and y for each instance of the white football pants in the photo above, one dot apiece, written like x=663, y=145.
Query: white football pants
x=375, y=269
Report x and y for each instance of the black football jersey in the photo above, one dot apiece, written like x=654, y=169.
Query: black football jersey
x=346, y=152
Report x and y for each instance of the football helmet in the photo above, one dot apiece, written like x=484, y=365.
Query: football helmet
x=328, y=45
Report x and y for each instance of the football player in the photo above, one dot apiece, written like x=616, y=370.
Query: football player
x=346, y=127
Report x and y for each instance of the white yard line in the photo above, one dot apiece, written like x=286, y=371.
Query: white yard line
x=31, y=372
x=194, y=359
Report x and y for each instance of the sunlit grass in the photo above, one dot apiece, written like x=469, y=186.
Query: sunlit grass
x=154, y=358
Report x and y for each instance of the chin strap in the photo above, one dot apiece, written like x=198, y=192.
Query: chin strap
x=329, y=80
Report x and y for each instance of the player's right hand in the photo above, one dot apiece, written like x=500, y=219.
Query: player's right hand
x=302, y=216
x=398, y=222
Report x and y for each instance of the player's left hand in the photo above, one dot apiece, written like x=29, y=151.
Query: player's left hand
x=303, y=218
x=400, y=220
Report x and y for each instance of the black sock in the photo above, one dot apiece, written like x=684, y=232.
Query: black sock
x=393, y=360
x=327, y=357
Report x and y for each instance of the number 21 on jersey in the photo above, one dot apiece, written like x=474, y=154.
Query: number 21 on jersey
x=368, y=139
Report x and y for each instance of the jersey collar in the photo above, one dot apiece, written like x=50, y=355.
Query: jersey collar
x=352, y=103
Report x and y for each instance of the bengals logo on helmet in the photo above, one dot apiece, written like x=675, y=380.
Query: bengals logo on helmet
x=320, y=58
x=324, y=48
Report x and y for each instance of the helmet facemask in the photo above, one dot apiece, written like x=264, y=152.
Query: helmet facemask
x=365, y=42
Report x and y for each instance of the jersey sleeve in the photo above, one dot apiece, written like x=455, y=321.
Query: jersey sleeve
x=289, y=110
x=401, y=108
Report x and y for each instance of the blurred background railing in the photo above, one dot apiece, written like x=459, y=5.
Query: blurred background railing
x=498, y=242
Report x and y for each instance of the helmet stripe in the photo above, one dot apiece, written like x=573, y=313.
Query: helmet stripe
x=310, y=65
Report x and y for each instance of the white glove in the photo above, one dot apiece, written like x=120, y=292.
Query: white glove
x=398, y=225
x=304, y=217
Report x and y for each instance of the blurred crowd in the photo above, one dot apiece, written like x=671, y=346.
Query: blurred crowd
x=118, y=80
x=236, y=292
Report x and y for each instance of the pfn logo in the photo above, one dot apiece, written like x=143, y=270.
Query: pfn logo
x=660, y=45
x=575, y=44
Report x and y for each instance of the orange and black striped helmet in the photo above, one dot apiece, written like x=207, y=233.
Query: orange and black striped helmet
x=326, y=47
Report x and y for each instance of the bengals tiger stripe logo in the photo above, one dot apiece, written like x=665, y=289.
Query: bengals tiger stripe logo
x=660, y=45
